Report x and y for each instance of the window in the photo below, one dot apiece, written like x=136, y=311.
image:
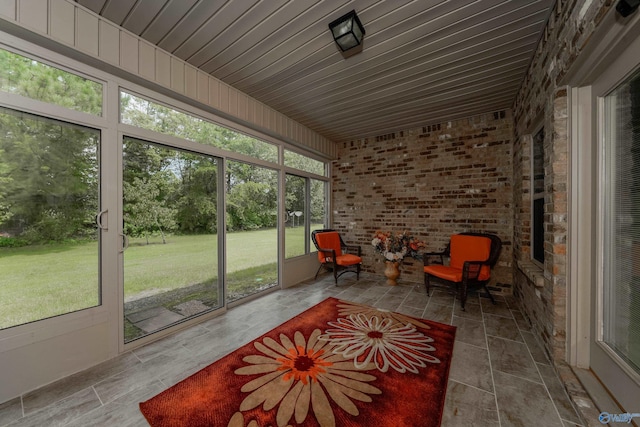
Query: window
x=622, y=221
x=252, y=230
x=304, y=163
x=32, y=79
x=170, y=210
x=537, y=197
x=306, y=199
x=318, y=208
x=295, y=223
x=137, y=111
x=49, y=183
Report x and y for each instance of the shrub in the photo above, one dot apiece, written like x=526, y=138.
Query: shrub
x=11, y=242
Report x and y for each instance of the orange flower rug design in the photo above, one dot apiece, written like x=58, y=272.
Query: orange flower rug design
x=336, y=364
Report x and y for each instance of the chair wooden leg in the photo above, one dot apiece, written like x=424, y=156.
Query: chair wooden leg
x=463, y=294
x=358, y=272
x=427, y=285
x=317, y=272
x=493, y=301
x=335, y=274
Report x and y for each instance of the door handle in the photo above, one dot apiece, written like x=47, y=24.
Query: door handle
x=99, y=220
x=125, y=242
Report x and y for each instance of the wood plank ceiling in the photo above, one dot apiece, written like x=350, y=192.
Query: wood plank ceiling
x=423, y=61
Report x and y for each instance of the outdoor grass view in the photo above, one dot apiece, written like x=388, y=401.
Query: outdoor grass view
x=179, y=277
x=53, y=289
x=173, y=192
x=49, y=178
x=48, y=201
x=50, y=185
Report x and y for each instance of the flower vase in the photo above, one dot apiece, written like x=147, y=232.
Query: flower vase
x=392, y=272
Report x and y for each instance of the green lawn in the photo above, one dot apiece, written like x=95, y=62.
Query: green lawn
x=37, y=282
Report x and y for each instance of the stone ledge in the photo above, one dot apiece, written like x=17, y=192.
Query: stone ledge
x=589, y=395
x=534, y=273
x=580, y=398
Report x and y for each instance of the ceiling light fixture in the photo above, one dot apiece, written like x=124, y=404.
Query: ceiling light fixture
x=347, y=31
x=627, y=7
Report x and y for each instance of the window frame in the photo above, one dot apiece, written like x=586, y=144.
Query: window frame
x=307, y=213
x=608, y=224
x=191, y=113
x=43, y=329
x=536, y=197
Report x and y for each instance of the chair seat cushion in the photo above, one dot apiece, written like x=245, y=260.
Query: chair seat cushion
x=348, y=259
x=454, y=274
x=444, y=272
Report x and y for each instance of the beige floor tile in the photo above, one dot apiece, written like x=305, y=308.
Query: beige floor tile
x=469, y=406
x=524, y=403
x=138, y=375
x=438, y=313
x=513, y=358
x=502, y=327
x=470, y=331
x=470, y=366
x=10, y=411
x=500, y=308
x=536, y=351
x=62, y=412
x=558, y=394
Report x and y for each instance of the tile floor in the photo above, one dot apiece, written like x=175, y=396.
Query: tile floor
x=499, y=376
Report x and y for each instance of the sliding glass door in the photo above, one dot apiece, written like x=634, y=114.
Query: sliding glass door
x=170, y=211
x=49, y=198
x=252, y=229
x=616, y=353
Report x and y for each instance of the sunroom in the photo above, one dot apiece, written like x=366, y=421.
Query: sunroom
x=163, y=165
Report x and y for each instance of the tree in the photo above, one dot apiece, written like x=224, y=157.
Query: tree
x=252, y=205
x=197, y=195
x=33, y=79
x=150, y=183
x=295, y=198
x=145, y=210
x=48, y=169
x=49, y=173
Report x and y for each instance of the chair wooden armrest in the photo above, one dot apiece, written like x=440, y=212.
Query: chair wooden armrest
x=332, y=251
x=427, y=255
x=471, y=269
x=358, y=249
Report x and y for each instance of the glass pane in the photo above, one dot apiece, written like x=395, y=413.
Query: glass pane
x=170, y=218
x=252, y=232
x=318, y=204
x=49, y=197
x=296, y=197
x=537, y=224
x=622, y=222
x=538, y=230
x=307, y=164
x=32, y=79
x=538, y=162
x=150, y=115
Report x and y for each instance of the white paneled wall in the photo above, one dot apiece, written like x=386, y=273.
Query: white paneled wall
x=70, y=24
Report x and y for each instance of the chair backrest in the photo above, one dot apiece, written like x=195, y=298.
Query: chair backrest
x=465, y=247
x=496, y=246
x=327, y=239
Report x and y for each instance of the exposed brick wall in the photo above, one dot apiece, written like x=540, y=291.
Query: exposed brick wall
x=434, y=181
x=543, y=100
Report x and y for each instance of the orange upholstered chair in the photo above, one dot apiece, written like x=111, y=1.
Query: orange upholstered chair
x=333, y=253
x=472, y=255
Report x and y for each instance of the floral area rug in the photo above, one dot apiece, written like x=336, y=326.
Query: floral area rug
x=336, y=364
